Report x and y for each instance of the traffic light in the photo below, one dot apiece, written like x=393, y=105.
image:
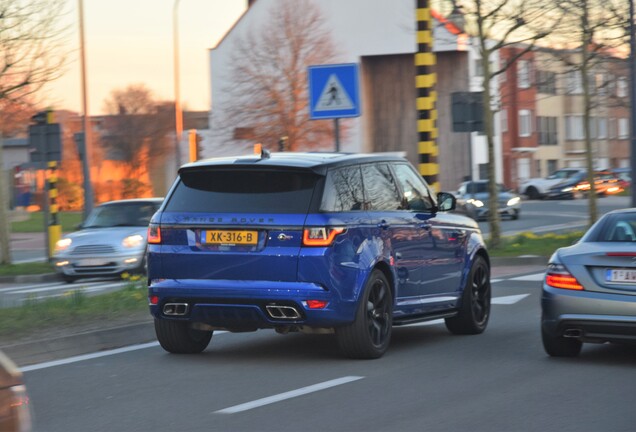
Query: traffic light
x=45, y=138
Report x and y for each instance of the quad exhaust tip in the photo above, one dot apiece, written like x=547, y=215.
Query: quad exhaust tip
x=282, y=312
x=573, y=333
x=175, y=309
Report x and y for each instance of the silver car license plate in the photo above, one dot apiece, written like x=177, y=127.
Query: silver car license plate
x=91, y=262
x=621, y=275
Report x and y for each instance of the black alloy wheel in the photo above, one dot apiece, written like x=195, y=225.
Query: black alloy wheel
x=369, y=335
x=474, y=312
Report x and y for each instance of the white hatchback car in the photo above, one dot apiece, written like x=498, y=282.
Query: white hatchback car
x=112, y=240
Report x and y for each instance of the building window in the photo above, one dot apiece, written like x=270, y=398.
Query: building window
x=621, y=88
x=574, y=127
x=552, y=165
x=613, y=128
x=623, y=128
x=546, y=82
x=523, y=74
x=601, y=128
x=600, y=83
x=483, y=171
x=479, y=68
x=574, y=82
x=504, y=120
x=525, y=123
x=547, y=130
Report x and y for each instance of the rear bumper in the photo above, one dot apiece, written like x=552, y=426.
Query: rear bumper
x=247, y=305
x=589, y=316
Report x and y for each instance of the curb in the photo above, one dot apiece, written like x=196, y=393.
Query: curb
x=530, y=260
x=40, y=351
x=44, y=277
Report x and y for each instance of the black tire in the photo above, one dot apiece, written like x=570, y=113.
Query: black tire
x=515, y=214
x=178, y=338
x=369, y=335
x=142, y=269
x=68, y=278
x=533, y=193
x=558, y=346
x=474, y=311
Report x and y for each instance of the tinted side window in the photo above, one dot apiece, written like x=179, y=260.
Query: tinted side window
x=343, y=190
x=380, y=189
x=243, y=191
x=414, y=188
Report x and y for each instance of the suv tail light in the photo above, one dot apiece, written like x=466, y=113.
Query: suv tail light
x=154, y=234
x=558, y=276
x=320, y=236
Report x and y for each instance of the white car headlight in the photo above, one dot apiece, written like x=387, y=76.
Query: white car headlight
x=513, y=201
x=62, y=244
x=567, y=189
x=133, y=241
x=477, y=203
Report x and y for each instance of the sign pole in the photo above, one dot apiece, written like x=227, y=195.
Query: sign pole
x=336, y=131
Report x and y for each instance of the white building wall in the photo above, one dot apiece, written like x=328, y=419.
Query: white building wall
x=359, y=28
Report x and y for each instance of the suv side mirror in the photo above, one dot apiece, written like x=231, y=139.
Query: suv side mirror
x=446, y=201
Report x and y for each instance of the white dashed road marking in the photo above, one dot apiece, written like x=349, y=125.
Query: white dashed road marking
x=288, y=395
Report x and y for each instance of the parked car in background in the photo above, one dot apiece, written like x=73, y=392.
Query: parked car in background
x=589, y=290
x=578, y=185
x=538, y=188
x=473, y=197
x=15, y=407
x=112, y=240
x=349, y=244
x=624, y=175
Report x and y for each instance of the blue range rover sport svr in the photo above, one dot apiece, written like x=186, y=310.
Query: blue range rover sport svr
x=349, y=244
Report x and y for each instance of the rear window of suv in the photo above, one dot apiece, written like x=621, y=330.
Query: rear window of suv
x=242, y=191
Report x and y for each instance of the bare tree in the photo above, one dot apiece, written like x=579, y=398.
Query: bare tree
x=498, y=24
x=16, y=116
x=30, y=56
x=593, y=29
x=137, y=130
x=268, y=96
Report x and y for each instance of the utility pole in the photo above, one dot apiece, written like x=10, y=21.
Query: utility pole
x=5, y=236
x=88, y=186
x=178, y=113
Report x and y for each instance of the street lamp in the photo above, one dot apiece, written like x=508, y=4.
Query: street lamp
x=177, y=96
x=88, y=187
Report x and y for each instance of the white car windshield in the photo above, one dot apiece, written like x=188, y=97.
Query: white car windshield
x=120, y=214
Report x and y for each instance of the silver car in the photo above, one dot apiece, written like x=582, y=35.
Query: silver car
x=111, y=241
x=473, y=198
x=589, y=290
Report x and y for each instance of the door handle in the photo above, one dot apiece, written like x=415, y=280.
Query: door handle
x=425, y=226
x=383, y=225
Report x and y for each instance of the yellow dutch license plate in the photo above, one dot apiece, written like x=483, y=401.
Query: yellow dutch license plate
x=231, y=237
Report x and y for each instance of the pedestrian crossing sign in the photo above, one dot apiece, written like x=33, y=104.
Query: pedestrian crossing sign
x=333, y=91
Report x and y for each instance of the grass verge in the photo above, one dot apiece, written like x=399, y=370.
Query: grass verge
x=26, y=269
x=528, y=243
x=73, y=310
x=35, y=222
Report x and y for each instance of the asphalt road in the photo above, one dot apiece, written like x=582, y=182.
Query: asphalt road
x=556, y=215
x=428, y=381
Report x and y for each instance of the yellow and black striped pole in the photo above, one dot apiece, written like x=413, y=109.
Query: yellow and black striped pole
x=426, y=96
x=54, y=227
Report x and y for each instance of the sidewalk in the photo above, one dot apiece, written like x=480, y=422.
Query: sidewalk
x=140, y=329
